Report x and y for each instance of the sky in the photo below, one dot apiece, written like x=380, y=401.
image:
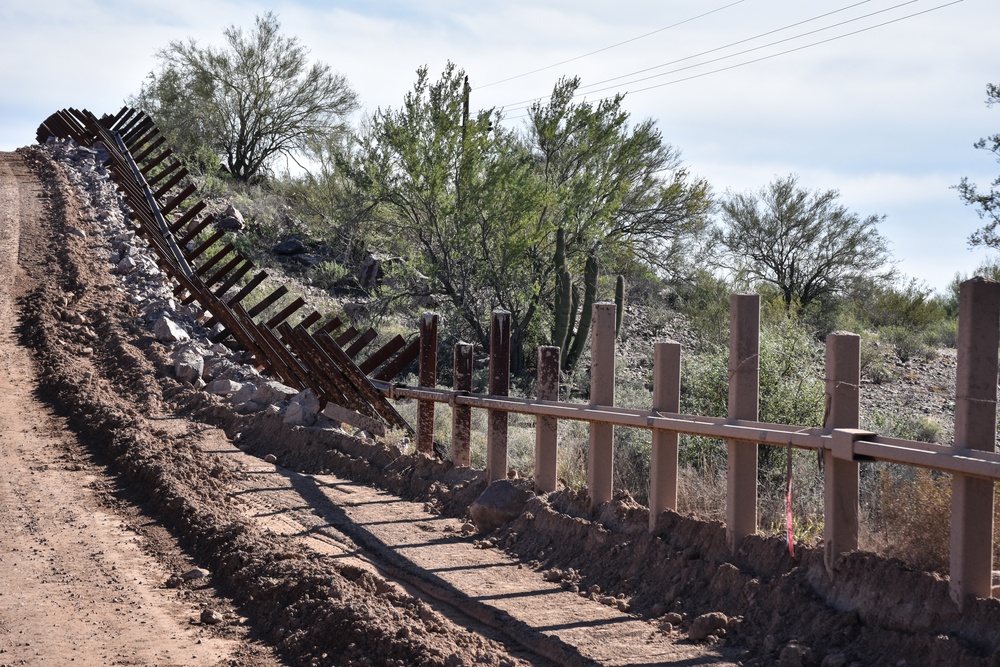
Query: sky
x=881, y=100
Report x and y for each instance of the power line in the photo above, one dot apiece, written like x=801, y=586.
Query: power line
x=606, y=48
x=523, y=104
x=750, y=39
x=755, y=60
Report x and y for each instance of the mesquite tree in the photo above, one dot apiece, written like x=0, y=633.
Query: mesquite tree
x=247, y=103
x=478, y=205
x=804, y=243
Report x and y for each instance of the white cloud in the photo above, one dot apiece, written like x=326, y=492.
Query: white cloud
x=887, y=116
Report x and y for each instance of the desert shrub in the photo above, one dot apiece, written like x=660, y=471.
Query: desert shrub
x=791, y=392
x=705, y=303
x=326, y=274
x=943, y=333
x=874, y=366
x=910, y=304
x=907, y=427
x=633, y=448
x=807, y=498
x=907, y=343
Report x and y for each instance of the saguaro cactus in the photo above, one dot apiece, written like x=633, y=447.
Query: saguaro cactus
x=573, y=345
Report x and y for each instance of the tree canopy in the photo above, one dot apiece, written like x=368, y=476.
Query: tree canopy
x=246, y=103
x=804, y=243
x=987, y=203
x=480, y=203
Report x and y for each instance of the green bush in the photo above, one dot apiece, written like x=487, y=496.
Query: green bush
x=791, y=391
x=907, y=427
x=874, y=365
x=705, y=303
x=907, y=343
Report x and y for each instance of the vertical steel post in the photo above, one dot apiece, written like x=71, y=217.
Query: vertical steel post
x=600, y=462
x=975, y=428
x=546, y=428
x=496, y=434
x=428, y=378
x=663, y=459
x=461, y=415
x=744, y=376
x=840, y=485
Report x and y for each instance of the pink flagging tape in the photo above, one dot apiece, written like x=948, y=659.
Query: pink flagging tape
x=788, y=504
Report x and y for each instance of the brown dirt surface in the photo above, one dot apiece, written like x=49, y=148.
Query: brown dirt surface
x=114, y=477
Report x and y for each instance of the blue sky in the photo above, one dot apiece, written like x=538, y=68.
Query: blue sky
x=887, y=116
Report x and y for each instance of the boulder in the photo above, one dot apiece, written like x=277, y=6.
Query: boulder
x=221, y=368
x=127, y=265
x=168, y=331
x=713, y=623
x=229, y=224
x=223, y=387
x=272, y=392
x=290, y=246
x=244, y=393
x=189, y=365
x=233, y=212
x=500, y=503
x=302, y=409
x=307, y=259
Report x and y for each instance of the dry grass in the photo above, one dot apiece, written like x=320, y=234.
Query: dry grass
x=906, y=514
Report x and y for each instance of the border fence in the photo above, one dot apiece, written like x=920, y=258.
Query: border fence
x=308, y=354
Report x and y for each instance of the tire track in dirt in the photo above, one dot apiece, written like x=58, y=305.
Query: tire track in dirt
x=75, y=584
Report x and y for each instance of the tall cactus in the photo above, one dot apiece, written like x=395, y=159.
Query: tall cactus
x=565, y=306
x=564, y=282
x=574, y=347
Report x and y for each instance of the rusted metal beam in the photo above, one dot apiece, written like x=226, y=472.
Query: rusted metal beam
x=381, y=355
x=496, y=429
x=285, y=312
x=360, y=343
x=264, y=303
x=427, y=378
x=396, y=365
x=237, y=275
x=187, y=217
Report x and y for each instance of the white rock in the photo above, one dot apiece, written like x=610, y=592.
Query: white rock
x=189, y=365
x=168, y=331
x=244, y=393
x=127, y=265
x=223, y=387
x=272, y=392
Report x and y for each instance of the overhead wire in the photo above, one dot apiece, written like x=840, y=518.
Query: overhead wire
x=583, y=89
x=757, y=36
x=748, y=62
x=612, y=46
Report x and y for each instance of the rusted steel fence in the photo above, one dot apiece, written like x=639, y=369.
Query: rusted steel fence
x=305, y=354
x=972, y=461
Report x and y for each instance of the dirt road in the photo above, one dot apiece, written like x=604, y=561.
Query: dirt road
x=77, y=583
